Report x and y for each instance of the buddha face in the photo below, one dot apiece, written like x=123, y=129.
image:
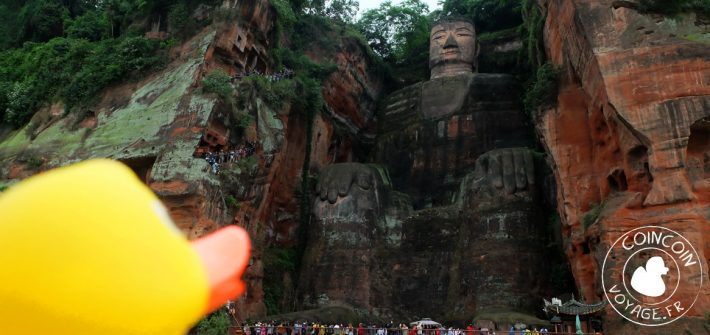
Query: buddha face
x=452, y=44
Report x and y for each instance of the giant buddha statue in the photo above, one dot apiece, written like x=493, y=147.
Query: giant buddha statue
x=444, y=221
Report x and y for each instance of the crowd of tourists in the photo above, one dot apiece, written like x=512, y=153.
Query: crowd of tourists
x=276, y=76
x=228, y=156
x=315, y=328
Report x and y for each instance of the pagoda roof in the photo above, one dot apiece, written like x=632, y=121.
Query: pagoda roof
x=574, y=307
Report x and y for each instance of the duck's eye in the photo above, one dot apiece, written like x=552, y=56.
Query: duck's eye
x=162, y=213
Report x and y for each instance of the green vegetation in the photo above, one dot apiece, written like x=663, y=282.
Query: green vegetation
x=275, y=94
x=399, y=33
x=488, y=15
x=531, y=33
x=702, y=38
x=232, y=202
x=542, y=92
x=216, y=323
x=277, y=262
x=592, y=214
x=3, y=187
x=71, y=70
x=218, y=82
x=675, y=7
x=70, y=50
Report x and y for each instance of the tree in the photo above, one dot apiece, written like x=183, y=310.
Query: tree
x=342, y=10
x=93, y=26
x=8, y=26
x=339, y=10
x=42, y=20
x=216, y=323
x=488, y=15
x=118, y=11
x=397, y=32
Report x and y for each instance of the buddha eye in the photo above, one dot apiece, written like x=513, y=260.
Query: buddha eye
x=464, y=32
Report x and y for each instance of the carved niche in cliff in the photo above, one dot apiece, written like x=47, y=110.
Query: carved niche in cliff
x=436, y=224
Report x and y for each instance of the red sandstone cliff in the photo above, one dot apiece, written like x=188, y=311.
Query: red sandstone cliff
x=161, y=125
x=628, y=141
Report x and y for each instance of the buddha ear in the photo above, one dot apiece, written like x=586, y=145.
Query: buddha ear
x=475, y=56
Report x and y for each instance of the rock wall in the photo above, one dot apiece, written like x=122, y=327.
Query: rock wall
x=161, y=126
x=628, y=141
x=415, y=232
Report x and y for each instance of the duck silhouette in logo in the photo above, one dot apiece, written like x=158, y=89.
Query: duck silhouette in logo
x=648, y=281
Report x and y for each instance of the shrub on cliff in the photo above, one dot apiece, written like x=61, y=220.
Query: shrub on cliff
x=218, y=82
x=93, y=26
x=674, y=7
x=71, y=70
x=592, y=214
x=542, y=92
x=489, y=15
x=216, y=323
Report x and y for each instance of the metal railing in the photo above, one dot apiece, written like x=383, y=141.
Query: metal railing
x=354, y=330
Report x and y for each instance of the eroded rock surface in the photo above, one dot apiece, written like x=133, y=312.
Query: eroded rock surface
x=434, y=225
x=628, y=140
x=162, y=126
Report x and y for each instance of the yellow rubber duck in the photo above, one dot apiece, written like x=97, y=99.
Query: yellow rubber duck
x=89, y=250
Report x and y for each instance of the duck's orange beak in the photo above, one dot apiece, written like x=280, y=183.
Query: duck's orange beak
x=225, y=254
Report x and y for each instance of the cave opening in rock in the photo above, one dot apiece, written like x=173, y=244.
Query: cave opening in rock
x=617, y=181
x=142, y=166
x=585, y=249
x=698, y=151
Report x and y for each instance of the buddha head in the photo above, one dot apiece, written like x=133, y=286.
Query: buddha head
x=452, y=47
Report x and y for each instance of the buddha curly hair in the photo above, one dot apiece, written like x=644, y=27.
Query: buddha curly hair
x=454, y=18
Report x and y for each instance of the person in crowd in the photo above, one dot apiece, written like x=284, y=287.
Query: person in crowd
x=297, y=328
x=404, y=330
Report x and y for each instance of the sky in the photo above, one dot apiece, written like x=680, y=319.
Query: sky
x=369, y=4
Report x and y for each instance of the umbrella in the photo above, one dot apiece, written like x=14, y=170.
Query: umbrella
x=425, y=322
x=578, y=325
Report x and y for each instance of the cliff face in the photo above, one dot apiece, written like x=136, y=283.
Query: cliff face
x=628, y=141
x=161, y=126
x=415, y=234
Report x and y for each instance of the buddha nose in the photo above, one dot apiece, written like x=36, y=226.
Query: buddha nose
x=451, y=42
